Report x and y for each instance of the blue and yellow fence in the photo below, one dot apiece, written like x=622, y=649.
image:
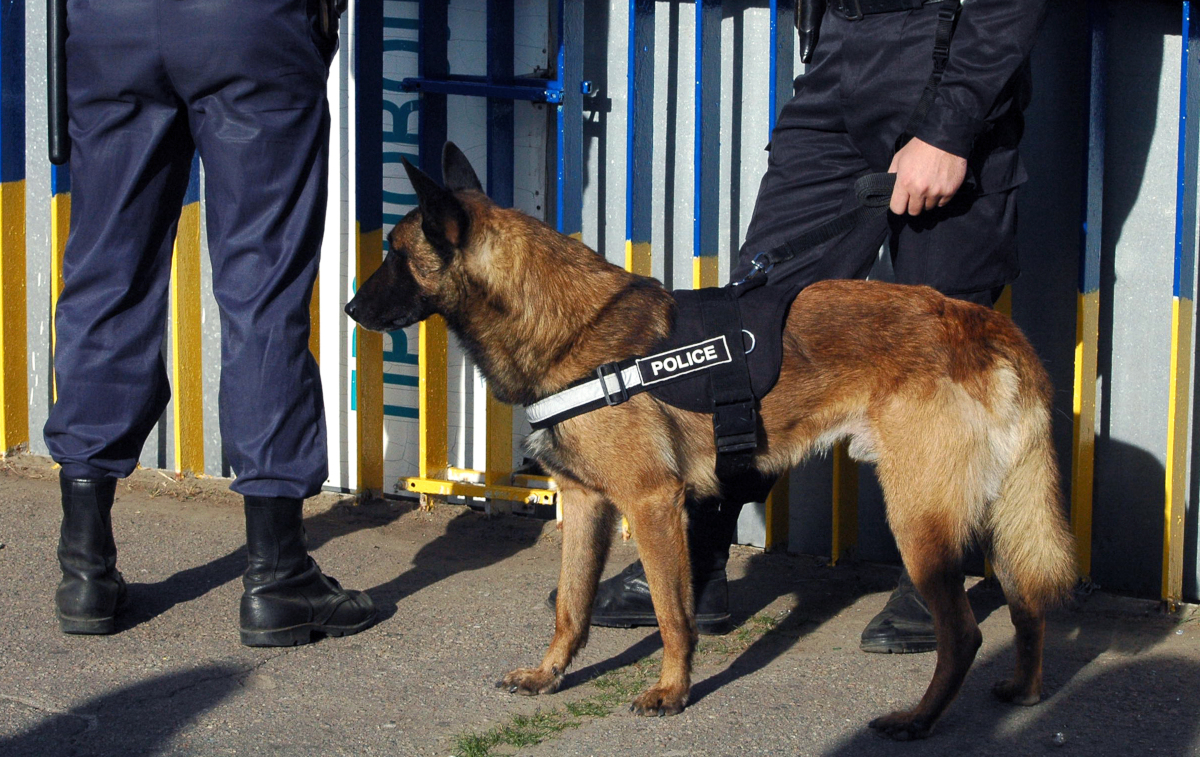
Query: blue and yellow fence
x=667, y=118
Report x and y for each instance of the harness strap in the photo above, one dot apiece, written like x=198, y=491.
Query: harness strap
x=615, y=383
x=735, y=414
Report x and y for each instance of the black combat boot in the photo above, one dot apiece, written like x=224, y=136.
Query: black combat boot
x=287, y=597
x=903, y=626
x=623, y=601
x=91, y=590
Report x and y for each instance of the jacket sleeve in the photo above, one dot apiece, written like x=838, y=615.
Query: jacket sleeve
x=992, y=41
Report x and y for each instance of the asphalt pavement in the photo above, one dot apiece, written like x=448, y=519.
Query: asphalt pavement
x=462, y=602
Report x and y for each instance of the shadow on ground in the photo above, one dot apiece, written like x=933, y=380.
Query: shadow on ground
x=139, y=719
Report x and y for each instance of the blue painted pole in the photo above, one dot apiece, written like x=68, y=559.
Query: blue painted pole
x=500, y=110
x=707, y=149
x=639, y=138
x=569, y=70
x=1087, y=318
x=1182, y=313
x=783, y=50
x=433, y=62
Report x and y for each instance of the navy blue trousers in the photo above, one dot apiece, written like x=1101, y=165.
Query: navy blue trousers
x=150, y=82
x=848, y=109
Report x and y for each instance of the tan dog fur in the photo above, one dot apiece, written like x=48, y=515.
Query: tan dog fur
x=946, y=398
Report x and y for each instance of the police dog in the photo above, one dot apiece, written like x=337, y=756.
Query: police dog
x=947, y=399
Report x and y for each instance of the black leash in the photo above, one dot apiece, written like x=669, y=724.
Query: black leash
x=874, y=191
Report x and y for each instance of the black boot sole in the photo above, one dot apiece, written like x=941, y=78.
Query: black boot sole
x=87, y=626
x=93, y=626
x=910, y=646
x=707, y=625
x=301, y=634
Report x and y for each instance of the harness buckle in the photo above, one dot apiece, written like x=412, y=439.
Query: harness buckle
x=735, y=427
x=621, y=394
x=762, y=263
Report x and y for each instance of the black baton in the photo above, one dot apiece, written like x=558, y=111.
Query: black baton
x=56, y=79
x=808, y=23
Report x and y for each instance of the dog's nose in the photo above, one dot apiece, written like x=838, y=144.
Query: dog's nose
x=352, y=309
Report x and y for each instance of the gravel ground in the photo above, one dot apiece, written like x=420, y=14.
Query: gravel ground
x=462, y=598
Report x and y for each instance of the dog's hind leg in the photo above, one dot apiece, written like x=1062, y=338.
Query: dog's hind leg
x=929, y=510
x=940, y=583
x=657, y=520
x=587, y=534
x=1025, y=687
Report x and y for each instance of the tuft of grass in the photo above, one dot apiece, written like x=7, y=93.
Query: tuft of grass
x=613, y=689
x=740, y=640
x=519, y=731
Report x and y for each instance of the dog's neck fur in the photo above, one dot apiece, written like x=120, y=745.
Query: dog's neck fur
x=553, y=313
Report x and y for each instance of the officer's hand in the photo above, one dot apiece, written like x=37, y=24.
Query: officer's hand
x=926, y=177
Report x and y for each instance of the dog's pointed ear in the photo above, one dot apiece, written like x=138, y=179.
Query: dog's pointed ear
x=444, y=220
x=457, y=171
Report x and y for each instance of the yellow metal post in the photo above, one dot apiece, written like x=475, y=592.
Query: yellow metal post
x=777, y=513
x=1182, y=307
x=498, y=461
x=186, y=351
x=845, y=503
x=14, y=380
x=369, y=374
x=638, y=257
x=60, y=226
x=314, y=319
x=705, y=271
x=432, y=380
x=1177, y=449
x=1083, y=447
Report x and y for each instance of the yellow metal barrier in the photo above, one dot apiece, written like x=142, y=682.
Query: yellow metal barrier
x=186, y=351
x=14, y=381
x=369, y=372
x=435, y=478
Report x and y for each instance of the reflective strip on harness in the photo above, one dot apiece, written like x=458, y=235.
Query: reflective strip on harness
x=636, y=375
x=580, y=398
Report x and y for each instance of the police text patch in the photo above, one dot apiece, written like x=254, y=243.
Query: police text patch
x=675, y=363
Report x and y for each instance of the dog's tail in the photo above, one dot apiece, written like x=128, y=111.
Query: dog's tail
x=1032, y=547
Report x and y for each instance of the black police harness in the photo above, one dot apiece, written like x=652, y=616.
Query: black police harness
x=724, y=351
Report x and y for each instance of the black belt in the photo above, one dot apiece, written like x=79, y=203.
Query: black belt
x=853, y=10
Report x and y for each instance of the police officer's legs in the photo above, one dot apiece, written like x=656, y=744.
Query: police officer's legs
x=261, y=122
x=130, y=160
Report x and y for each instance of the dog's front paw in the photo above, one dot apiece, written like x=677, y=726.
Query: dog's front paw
x=531, y=681
x=659, y=701
x=901, y=726
x=1014, y=692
